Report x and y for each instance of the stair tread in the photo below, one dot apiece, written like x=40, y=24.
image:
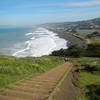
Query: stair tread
x=9, y=98
x=25, y=95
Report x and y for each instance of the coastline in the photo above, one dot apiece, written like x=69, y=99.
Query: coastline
x=72, y=40
x=41, y=42
x=63, y=40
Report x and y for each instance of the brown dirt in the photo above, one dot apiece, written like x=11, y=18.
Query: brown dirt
x=40, y=87
x=88, y=41
x=68, y=90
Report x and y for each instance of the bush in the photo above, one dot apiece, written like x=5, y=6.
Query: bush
x=60, y=52
x=94, y=92
x=94, y=34
x=93, y=50
x=90, y=68
x=73, y=51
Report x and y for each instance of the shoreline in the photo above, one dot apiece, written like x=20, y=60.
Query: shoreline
x=70, y=38
x=44, y=44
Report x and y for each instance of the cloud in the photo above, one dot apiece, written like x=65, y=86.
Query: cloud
x=60, y=4
x=85, y=3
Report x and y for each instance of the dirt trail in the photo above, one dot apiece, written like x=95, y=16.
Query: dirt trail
x=37, y=88
x=88, y=41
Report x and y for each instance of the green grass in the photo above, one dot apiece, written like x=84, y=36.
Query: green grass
x=95, y=40
x=14, y=69
x=83, y=35
x=87, y=80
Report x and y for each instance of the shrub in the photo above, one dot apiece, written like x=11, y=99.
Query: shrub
x=94, y=34
x=93, y=50
x=60, y=52
x=94, y=92
x=73, y=51
x=90, y=68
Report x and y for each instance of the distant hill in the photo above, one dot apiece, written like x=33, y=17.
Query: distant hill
x=87, y=24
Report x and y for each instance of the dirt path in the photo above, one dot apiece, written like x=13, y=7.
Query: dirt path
x=88, y=41
x=38, y=88
x=67, y=90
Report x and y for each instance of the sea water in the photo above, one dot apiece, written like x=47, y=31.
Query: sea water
x=35, y=42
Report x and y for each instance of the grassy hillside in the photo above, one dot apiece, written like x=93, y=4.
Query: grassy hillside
x=88, y=64
x=96, y=40
x=94, y=37
x=89, y=77
x=13, y=69
x=86, y=24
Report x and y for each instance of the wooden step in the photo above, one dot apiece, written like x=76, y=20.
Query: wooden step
x=45, y=80
x=36, y=83
x=40, y=82
x=10, y=98
x=29, y=89
x=25, y=95
x=37, y=86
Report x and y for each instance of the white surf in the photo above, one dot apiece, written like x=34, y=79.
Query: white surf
x=41, y=42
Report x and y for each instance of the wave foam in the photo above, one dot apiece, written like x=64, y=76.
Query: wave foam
x=42, y=42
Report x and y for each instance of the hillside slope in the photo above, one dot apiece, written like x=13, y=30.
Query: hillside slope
x=87, y=24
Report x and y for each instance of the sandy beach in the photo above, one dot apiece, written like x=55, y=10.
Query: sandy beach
x=72, y=40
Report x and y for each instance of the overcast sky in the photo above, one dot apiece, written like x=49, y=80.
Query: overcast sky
x=30, y=12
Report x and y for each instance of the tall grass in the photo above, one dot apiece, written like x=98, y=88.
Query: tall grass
x=13, y=69
x=89, y=77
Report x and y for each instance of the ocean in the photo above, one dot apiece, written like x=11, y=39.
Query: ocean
x=34, y=42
